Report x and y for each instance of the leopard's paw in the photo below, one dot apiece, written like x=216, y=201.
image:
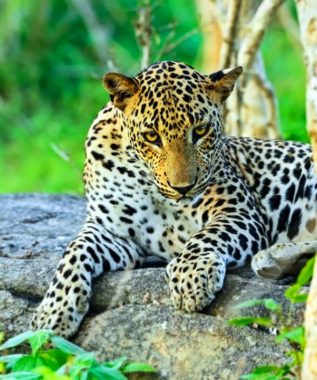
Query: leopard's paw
x=61, y=313
x=193, y=283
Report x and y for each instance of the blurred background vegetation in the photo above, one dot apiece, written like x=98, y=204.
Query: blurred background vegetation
x=53, y=54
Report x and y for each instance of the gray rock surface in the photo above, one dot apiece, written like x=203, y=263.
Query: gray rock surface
x=130, y=312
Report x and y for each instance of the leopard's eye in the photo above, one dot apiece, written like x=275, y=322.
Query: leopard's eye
x=152, y=137
x=200, y=131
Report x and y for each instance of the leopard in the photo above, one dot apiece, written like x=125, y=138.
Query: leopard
x=162, y=178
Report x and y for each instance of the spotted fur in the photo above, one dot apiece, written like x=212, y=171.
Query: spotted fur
x=161, y=178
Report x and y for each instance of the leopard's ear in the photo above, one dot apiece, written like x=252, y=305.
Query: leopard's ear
x=120, y=88
x=222, y=82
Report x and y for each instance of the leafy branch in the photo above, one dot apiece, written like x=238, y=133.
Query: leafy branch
x=295, y=336
x=52, y=357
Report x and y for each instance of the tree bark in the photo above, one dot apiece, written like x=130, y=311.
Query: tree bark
x=211, y=31
x=232, y=32
x=307, y=15
x=143, y=32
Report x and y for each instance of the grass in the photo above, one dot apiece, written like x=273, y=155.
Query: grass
x=45, y=153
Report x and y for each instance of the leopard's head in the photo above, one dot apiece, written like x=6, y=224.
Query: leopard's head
x=173, y=116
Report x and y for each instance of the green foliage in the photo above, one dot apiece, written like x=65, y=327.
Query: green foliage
x=295, y=292
x=295, y=336
x=53, y=55
x=268, y=303
x=247, y=321
x=55, y=358
x=268, y=373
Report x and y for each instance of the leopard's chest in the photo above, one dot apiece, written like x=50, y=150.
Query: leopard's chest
x=128, y=206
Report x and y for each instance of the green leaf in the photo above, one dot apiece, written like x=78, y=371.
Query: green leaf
x=86, y=359
x=63, y=369
x=297, y=356
x=245, y=321
x=57, y=355
x=267, y=376
x=21, y=376
x=295, y=292
x=116, y=364
x=103, y=373
x=49, y=361
x=268, y=373
x=270, y=304
x=75, y=370
x=289, y=293
x=66, y=346
x=265, y=369
x=296, y=335
x=48, y=374
x=16, y=340
x=80, y=364
x=262, y=373
x=292, y=293
x=30, y=362
x=306, y=273
x=84, y=376
x=26, y=363
x=137, y=367
x=36, y=341
x=10, y=360
x=301, y=298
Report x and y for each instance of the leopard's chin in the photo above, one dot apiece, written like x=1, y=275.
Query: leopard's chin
x=168, y=193
x=182, y=199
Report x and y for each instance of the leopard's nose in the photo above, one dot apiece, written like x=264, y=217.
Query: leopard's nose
x=183, y=190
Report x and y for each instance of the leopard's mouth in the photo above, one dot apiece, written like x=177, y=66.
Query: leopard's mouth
x=168, y=192
x=186, y=198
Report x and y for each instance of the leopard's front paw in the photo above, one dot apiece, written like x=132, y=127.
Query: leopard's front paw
x=61, y=313
x=194, y=282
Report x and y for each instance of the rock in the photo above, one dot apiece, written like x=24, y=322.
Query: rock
x=38, y=224
x=181, y=345
x=130, y=311
x=15, y=313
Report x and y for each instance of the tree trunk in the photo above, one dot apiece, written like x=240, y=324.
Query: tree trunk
x=232, y=32
x=307, y=15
